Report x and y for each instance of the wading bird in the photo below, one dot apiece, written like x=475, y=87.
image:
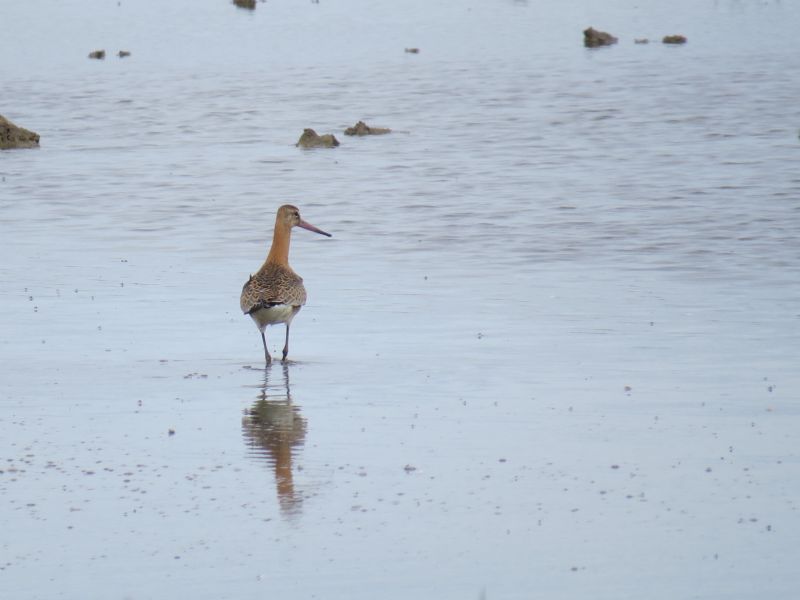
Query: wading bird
x=276, y=293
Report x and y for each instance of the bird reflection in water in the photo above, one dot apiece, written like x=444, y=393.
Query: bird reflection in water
x=274, y=430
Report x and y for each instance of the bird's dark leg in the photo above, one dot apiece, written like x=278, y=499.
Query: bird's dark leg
x=266, y=352
x=286, y=345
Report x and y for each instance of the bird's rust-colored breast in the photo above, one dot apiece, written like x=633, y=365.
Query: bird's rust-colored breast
x=273, y=284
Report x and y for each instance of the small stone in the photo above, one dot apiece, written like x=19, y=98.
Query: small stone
x=12, y=136
x=362, y=128
x=674, y=39
x=98, y=54
x=311, y=139
x=412, y=50
x=123, y=53
x=592, y=38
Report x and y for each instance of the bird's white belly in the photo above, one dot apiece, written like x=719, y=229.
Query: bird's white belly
x=280, y=313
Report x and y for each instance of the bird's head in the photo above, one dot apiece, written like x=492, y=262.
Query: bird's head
x=289, y=216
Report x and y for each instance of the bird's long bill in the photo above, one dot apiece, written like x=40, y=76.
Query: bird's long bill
x=310, y=227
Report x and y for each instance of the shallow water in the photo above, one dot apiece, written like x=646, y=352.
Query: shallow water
x=549, y=352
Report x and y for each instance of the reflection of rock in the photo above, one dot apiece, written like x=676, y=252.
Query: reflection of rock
x=362, y=128
x=674, y=39
x=310, y=139
x=592, y=38
x=98, y=54
x=248, y=4
x=12, y=136
x=274, y=427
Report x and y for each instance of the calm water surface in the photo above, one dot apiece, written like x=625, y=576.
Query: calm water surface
x=550, y=351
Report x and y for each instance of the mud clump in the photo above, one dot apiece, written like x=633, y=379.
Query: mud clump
x=311, y=139
x=592, y=38
x=362, y=128
x=12, y=136
x=674, y=39
x=98, y=54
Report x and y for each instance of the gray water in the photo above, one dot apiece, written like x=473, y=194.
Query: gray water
x=550, y=351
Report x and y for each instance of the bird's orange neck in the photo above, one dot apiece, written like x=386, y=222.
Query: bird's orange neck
x=279, y=252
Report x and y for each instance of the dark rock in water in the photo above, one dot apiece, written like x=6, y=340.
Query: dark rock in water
x=310, y=139
x=12, y=136
x=412, y=50
x=123, y=53
x=98, y=54
x=593, y=38
x=641, y=41
x=362, y=128
x=674, y=39
x=248, y=4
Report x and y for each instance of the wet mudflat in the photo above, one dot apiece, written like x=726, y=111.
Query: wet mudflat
x=550, y=351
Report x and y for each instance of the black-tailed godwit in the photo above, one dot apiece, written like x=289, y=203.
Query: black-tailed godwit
x=276, y=293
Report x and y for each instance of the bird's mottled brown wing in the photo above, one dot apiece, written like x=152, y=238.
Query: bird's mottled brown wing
x=272, y=285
